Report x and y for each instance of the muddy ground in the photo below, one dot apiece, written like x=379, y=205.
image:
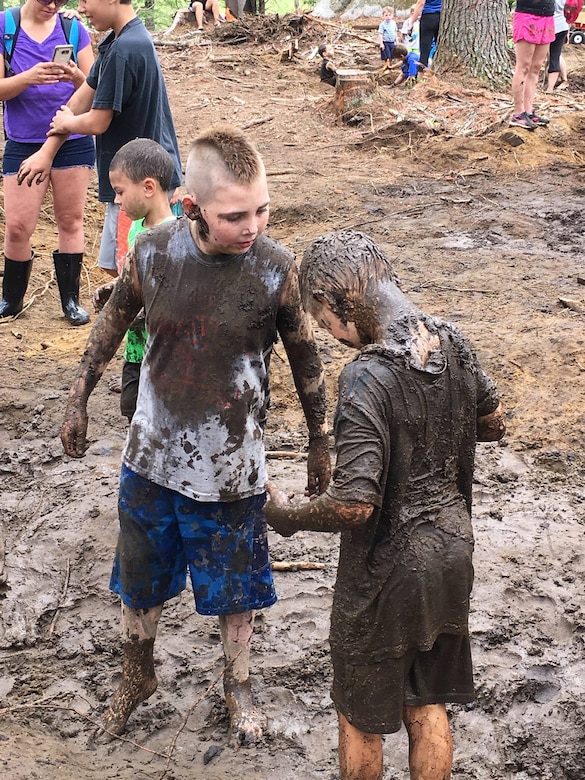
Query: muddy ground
x=485, y=233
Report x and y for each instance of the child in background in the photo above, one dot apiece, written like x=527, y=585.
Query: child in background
x=328, y=68
x=409, y=33
x=408, y=65
x=387, y=34
x=140, y=175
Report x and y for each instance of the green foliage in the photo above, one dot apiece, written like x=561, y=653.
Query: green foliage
x=164, y=10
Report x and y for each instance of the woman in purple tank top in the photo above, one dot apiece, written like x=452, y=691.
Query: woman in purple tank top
x=33, y=88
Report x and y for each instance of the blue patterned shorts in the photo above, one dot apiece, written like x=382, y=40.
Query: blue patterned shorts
x=163, y=533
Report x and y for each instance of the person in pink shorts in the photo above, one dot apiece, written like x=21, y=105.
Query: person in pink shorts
x=533, y=31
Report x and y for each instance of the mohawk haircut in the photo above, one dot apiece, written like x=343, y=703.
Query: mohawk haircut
x=221, y=153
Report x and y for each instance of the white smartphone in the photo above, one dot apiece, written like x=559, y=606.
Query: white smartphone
x=63, y=54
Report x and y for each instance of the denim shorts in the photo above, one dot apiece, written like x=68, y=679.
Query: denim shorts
x=77, y=153
x=163, y=534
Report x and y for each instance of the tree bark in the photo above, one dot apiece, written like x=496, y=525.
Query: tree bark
x=474, y=33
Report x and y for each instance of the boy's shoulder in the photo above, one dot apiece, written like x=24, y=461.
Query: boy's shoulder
x=133, y=35
x=268, y=248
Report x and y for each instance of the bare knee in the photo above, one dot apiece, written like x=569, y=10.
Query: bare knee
x=360, y=754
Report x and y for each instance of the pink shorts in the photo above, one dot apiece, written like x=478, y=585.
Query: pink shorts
x=533, y=29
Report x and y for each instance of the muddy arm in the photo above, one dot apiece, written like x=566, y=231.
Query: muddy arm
x=104, y=339
x=491, y=427
x=322, y=514
x=294, y=326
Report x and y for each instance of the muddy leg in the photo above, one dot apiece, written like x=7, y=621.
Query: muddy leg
x=430, y=742
x=246, y=722
x=138, y=677
x=360, y=754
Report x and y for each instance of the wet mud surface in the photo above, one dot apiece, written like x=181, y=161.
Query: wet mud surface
x=488, y=236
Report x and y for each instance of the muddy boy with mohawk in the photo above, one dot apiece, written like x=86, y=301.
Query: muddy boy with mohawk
x=217, y=293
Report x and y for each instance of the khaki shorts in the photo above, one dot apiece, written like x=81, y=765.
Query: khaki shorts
x=372, y=697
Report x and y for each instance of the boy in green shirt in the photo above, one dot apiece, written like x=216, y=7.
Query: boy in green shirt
x=140, y=175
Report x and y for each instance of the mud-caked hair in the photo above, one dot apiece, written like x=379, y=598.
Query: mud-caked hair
x=344, y=267
x=219, y=154
x=142, y=159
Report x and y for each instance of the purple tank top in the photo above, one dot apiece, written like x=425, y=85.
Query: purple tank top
x=27, y=116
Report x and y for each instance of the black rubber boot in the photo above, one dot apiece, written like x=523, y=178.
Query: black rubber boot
x=14, y=284
x=68, y=271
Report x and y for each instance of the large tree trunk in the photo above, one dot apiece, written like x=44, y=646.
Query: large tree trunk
x=474, y=33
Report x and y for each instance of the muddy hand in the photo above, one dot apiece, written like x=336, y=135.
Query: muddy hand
x=102, y=295
x=318, y=465
x=273, y=510
x=73, y=434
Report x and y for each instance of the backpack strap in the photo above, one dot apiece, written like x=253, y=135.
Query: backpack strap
x=71, y=33
x=11, y=30
x=70, y=29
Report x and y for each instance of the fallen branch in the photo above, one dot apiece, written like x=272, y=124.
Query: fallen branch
x=283, y=454
x=2, y=554
x=297, y=566
x=61, y=597
x=451, y=289
x=255, y=122
x=341, y=30
x=203, y=696
x=572, y=305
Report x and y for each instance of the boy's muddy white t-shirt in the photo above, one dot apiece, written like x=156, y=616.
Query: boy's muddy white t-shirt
x=212, y=321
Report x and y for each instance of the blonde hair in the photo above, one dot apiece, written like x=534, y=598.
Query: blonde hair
x=222, y=153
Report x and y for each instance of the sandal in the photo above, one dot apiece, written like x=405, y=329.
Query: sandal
x=563, y=84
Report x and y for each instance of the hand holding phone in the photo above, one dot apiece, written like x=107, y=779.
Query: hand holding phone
x=63, y=54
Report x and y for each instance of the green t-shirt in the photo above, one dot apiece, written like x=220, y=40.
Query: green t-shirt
x=137, y=335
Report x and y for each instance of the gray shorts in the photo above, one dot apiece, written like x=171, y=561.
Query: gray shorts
x=372, y=697
x=114, y=243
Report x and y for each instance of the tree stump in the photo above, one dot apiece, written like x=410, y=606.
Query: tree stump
x=354, y=88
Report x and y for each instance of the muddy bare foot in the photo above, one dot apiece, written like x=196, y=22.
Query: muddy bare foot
x=138, y=684
x=247, y=724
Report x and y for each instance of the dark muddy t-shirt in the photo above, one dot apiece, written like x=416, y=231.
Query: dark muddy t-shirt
x=405, y=442
x=211, y=322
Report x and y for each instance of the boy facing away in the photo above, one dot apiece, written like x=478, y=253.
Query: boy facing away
x=124, y=97
x=216, y=293
x=140, y=174
x=411, y=406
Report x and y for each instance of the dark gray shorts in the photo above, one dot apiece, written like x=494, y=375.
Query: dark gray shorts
x=372, y=697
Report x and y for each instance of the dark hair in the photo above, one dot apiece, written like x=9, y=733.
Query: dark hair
x=341, y=266
x=322, y=48
x=399, y=51
x=143, y=158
